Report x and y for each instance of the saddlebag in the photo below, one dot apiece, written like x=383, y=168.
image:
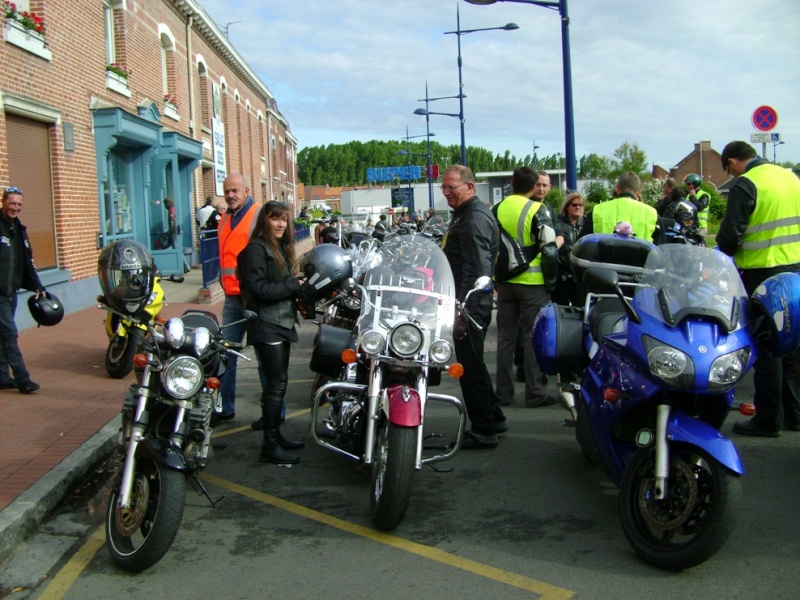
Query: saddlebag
x=557, y=339
x=326, y=355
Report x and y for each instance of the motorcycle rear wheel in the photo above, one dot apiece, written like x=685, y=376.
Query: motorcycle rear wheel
x=392, y=474
x=119, y=355
x=138, y=537
x=695, y=519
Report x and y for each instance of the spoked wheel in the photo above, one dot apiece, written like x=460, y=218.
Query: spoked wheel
x=139, y=536
x=392, y=474
x=119, y=356
x=695, y=518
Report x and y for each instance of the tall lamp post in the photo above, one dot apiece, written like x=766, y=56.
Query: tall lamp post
x=775, y=145
x=458, y=33
x=569, y=125
x=427, y=114
x=535, y=148
x=407, y=152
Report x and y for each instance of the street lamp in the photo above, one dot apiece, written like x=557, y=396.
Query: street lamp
x=569, y=125
x=458, y=33
x=535, y=148
x=409, y=154
x=774, y=145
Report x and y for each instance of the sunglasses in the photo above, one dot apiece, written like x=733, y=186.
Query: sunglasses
x=450, y=188
x=276, y=203
x=573, y=205
x=13, y=190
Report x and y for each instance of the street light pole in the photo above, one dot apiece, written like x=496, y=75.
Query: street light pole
x=427, y=114
x=775, y=145
x=535, y=148
x=409, y=154
x=569, y=125
x=458, y=33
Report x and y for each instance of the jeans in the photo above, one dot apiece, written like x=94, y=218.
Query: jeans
x=10, y=356
x=517, y=307
x=232, y=310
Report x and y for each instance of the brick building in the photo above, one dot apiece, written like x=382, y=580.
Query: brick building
x=703, y=160
x=116, y=106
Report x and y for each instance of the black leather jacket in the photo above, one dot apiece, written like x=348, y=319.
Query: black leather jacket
x=265, y=290
x=16, y=262
x=471, y=248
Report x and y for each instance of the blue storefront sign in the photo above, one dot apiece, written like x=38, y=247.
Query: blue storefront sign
x=392, y=173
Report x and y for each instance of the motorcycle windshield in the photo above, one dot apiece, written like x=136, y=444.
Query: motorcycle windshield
x=692, y=281
x=409, y=280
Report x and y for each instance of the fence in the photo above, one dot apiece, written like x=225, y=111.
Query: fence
x=209, y=257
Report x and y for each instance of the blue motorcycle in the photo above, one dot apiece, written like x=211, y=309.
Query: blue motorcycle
x=647, y=368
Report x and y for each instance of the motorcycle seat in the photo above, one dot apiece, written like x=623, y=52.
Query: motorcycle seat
x=604, y=315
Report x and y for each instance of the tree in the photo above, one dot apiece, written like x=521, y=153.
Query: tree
x=630, y=158
x=593, y=166
x=595, y=193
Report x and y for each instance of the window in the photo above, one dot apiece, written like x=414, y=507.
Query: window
x=111, y=45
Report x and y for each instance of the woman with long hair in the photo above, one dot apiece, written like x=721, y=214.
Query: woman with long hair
x=269, y=288
x=568, y=224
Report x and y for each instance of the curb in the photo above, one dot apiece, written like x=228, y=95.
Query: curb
x=20, y=519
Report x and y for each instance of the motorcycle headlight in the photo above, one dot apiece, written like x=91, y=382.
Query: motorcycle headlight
x=372, y=342
x=727, y=369
x=174, y=333
x=182, y=376
x=669, y=364
x=441, y=351
x=406, y=340
x=202, y=340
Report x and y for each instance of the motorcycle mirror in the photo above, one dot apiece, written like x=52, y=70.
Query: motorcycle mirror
x=484, y=284
x=250, y=316
x=602, y=280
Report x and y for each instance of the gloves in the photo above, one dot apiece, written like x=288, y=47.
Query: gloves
x=460, y=328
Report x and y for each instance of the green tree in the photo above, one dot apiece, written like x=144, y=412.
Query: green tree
x=629, y=157
x=595, y=192
x=593, y=166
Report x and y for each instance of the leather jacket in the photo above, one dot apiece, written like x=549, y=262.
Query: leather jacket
x=26, y=277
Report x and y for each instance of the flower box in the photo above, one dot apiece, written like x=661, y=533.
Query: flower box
x=171, y=111
x=27, y=39
x=118, y=83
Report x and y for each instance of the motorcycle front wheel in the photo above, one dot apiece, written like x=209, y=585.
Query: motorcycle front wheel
x=120, y=352
x=694, y=520
x=139, y=536
x=392, y=474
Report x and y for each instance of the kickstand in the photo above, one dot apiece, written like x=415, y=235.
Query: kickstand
x=440, y=470
x=569, y=423
x=435, y=446
x=201, y=489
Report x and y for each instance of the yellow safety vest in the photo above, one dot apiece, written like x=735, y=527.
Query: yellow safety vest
x=515, y=213
x=702, y=215
x=641, y=216
x=772, y=237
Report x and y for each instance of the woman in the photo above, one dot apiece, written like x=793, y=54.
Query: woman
x=568, y=224
x=268, y=288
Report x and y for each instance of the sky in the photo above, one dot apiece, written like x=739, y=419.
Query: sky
x=661, y=74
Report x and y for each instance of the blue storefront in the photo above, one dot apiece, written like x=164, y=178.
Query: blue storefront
x=139, y=164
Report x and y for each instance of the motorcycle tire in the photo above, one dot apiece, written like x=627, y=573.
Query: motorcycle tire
x=138, y=537
x=392, y=474
x=120, y=353
x=695, y=519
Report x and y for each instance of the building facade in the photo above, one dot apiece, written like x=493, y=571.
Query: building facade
x=109, y=107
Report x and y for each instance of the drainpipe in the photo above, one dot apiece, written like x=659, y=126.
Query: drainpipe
x=192, y=124
x=269, y=150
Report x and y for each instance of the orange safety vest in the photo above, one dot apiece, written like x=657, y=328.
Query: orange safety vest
x=231, y=243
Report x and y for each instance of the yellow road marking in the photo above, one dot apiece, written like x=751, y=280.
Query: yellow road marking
x=70, y=572
x=545, y=590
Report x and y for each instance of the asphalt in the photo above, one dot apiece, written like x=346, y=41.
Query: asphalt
x=52, y=439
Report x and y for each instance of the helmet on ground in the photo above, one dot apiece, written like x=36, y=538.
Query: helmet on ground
x=324, y=267
x=47, y=309
x=127, y=272
x=694, y=179
x=777, y=302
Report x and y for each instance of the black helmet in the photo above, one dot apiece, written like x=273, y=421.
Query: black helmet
x=127, y=273
x=47, y=309
x=324, y=267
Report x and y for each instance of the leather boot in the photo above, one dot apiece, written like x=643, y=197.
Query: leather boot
x=272, y=450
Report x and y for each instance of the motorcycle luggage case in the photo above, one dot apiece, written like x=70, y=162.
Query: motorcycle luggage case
x=557, y=339
x=326, y=355
x=625, y=255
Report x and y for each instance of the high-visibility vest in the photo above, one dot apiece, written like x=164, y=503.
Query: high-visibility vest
x=641, y=216
x=702, y=215
x=231, y=243
x=515, y=213
x=772, y=237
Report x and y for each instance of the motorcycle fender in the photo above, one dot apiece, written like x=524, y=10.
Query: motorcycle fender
x=683, y=428
x=405, y=407
x=163, y=452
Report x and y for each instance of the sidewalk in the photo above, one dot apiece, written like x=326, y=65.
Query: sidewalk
x=51, y=439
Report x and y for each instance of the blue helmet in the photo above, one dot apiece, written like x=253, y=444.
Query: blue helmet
x=777, y=302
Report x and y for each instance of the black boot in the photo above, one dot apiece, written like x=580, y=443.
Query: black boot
x=272, y=450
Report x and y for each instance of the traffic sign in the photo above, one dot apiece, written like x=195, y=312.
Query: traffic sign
x=765, y=118
x=764, y=138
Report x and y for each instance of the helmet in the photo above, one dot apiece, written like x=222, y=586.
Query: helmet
x=127, y=273
x=777, y=302
x=694, y=179
x=47, y=309
x=325, y=267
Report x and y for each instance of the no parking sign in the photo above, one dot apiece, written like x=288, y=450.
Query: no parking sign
x=765, y=118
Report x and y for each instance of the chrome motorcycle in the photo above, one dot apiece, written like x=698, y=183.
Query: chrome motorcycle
x=380, y=370
x=165, y=436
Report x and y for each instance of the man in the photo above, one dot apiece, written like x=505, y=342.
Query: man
x=234, y=231
x=520, y=298
x=327, y=232
x=700, y=199
x=626, y=206
x=381, y=228
x=542, y=187
x=16, y=272
x=203, y=213
x=760, y=230
x=470, y=245
x=172, y=231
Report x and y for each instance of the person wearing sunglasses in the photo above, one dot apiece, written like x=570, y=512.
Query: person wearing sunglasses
x=16, y=272
x=569, y=222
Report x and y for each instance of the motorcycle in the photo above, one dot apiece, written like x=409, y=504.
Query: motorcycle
x=374, y=378
x=126, y=335
x=165, y=437
x=648, y=368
